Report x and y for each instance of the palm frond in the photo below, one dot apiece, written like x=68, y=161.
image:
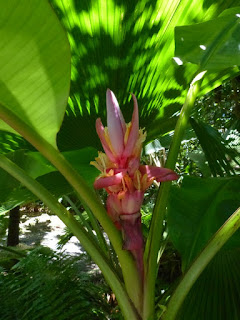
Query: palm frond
x=48, y=286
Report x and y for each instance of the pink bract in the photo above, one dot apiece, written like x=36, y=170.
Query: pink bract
x=122, y=176
x=158, y=173
x=118, y=139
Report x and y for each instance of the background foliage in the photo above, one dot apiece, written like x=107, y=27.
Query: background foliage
x=47, y=285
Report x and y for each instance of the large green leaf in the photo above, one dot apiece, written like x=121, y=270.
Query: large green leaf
x=198, y=209
x=12, y=193
x=34, y=65
x=214, y=44
x=128, y=46
x=18, y=195
x=216, y=294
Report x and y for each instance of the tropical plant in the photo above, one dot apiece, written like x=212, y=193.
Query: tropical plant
x=128, y=46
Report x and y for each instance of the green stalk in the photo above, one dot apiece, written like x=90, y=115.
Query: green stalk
x=84, y=222
x=156, y=229
x=87, y=195
x=99, y=238
x=214, y=245
x=96, y=228
x=96, y=253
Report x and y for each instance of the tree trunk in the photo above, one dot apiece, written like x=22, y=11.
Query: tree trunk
x=13, y=227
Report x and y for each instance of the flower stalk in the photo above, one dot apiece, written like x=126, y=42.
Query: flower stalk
x=122, y=175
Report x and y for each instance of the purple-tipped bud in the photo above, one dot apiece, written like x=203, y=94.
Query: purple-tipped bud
x=115, y=123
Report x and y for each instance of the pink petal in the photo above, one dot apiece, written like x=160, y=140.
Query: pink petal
x=159, y=174
x=114, y=209
x=119, y=111
x=134, y=132
x=114, y=204
x=101, y=134
x=131, y=203
x=115, y=123
x=105, y=182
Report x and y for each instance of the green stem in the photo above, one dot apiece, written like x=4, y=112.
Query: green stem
x=87, y=195
x=214, y=245
x=96, y=228
x=156, y=229
x=96, y=253
x=114, y=259
x=84, y=222
x=99, y=236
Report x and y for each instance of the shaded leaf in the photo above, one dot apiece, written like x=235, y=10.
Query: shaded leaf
x=216, y=293
x=10, y=142
x=197, y=209
x=12, y=193
x=217, y=151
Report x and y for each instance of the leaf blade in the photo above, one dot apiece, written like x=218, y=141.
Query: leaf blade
x=34, y=65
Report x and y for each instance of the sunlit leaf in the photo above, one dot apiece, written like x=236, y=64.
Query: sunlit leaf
x=128, y=46
x=34, y=65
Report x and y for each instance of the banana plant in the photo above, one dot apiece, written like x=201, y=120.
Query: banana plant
x=50, y=100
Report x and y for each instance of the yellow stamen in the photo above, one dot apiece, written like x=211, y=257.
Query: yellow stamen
x=96, y=165
x=138, y=146
x=121, y=195
x=137, y=180
x=109, y=141
x=115, y=189
x=128, y=129
x=124, y=185
x=110, y=172
x=103, y=159
x=129, y=183
x=102, y=163
x=144, y=180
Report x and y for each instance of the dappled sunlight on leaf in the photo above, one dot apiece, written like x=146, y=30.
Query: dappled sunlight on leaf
x=129, y=47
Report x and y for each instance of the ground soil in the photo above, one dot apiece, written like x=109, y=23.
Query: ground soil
x=39, y=228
